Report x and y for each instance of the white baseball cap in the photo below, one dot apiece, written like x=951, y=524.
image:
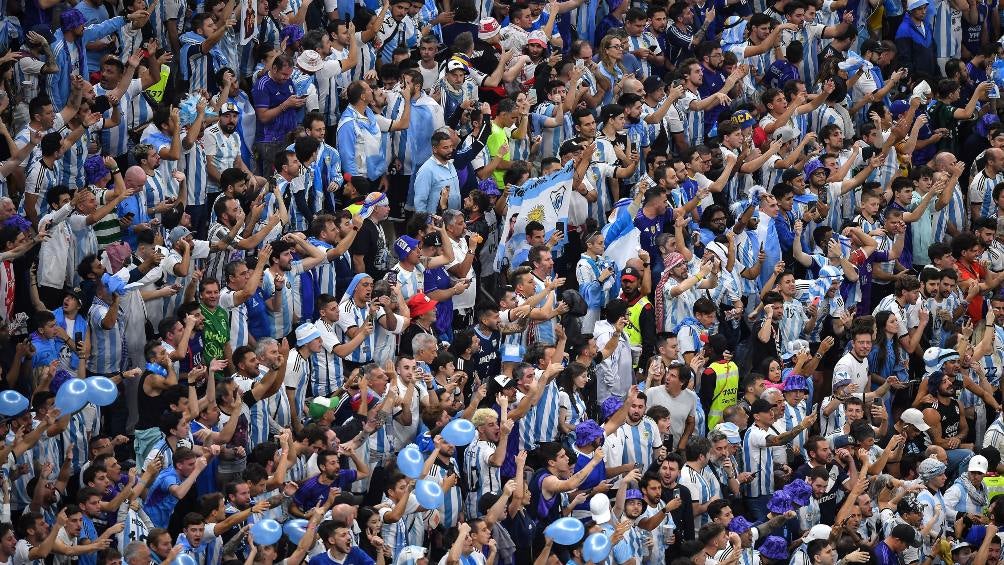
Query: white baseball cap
x=817, y=532
x=978, y=464
x=915, y=418
x=599, y=507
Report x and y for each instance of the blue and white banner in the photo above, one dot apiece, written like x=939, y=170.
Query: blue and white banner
x=622, y=238
x=541, y=199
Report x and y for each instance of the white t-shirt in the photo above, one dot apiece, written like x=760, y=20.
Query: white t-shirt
x=850, y=367
x=465, y=299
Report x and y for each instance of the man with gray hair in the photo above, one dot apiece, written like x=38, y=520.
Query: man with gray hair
x=424, y=348
x=136, y=553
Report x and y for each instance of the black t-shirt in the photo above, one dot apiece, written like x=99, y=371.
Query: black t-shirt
x=683, y=516
x=413, y=329
x=372, y=247
x=835, y=492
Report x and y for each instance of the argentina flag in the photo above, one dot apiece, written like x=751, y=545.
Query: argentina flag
x=541, y=199
x=622, y=238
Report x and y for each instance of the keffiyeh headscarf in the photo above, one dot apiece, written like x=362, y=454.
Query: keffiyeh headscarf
x=669, y=261
x=930, y=468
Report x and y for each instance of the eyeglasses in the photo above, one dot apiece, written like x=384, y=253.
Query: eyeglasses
x=615, y=46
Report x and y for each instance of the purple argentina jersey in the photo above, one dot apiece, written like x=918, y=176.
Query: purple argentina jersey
x=313, y=493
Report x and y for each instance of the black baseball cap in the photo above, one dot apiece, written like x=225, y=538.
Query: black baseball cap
x=653, y=84
x=760, y=405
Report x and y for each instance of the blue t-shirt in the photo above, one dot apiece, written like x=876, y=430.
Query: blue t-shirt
x=88, y=533
x=356, y=556
x=780, y=72
x=259, y=318
x=160, y=502
x=269, y=94
x=313, y=493
x=439, y=279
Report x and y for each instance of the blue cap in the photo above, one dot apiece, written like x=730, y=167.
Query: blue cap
x=898, y=108
x=405, y=245
x=813, y=166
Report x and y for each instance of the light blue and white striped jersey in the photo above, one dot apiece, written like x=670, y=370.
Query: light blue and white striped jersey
x=793, y=320
x=83, y=425
x=833, y=423
x=981, y=189
x=640, y=141
x=258, y=413
x=278, y=408
x=106, y=345
x=221, y=150
x=327, y=367
x=193, y=164
x=928, y=501
x=946, y=23
x=21, y=499
x=482, y=477
x=115, y=140
x=367, y=58
x=326, y=80
x=639, y=441
x=137, y=526
x=282, y=319
x=757, y=458
x=700, y=491
x=954, y=213
x=810, y=35
x=72, y=161
x=40, y=179
x=677, y=309
x=198, y=64
x=683, y=119
x=156, y=189
x=747, y=250
x=540, y=424
x=381, y=442
x=325, y=277
x=240, y=335
x=793, y=416
x=86, y=241
x=409, y=530
x=658, y=554
x=600, y=171
x=297, y=378
x=393, y=33
x=645, y=40
x=738, y=184
x=24, y=136
x=585, y=18
x=550, y=138
x=410, y=282
x=352, y=316
x=162, y=11
x=452, y=506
